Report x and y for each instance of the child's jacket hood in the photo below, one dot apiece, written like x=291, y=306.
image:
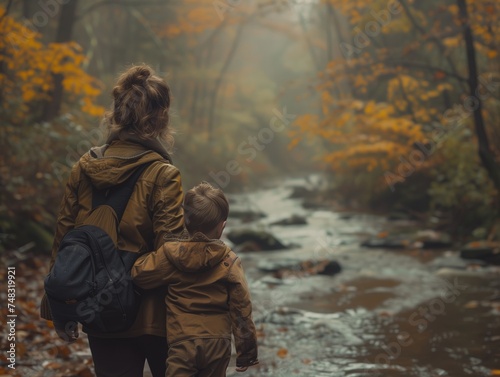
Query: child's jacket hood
x=196, y=254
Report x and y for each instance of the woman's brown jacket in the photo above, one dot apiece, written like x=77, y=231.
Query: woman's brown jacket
x=154, y=211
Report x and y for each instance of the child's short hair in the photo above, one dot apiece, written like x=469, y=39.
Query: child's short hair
x=204, y=208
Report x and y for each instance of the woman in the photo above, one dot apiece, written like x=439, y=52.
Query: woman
x=138, y=121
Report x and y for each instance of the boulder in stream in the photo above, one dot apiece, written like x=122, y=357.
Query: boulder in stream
x=389, y=242
x=400, y=216
x=246, y=215
x=293, y=220
x=425, y=239
x=486, y=251
x=331, y=268
x=299, y=269
x=266, y=265
x=300, y=192
x=431, y=239
x=288, y=267
x=254, y=240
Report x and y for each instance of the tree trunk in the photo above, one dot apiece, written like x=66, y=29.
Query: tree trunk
x=2, y=51
x=29, y=7
x=485, y=153
x=66, y=22
x=328, y=30
x=218, y=81
x=7, y=9
x=206, y=51
x=202, y=115
x=64, y=34
x=312, y=50
x=194, y=102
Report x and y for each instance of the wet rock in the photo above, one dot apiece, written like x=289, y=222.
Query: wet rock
x=246, y=215
x=448, y=262
x=298, y=268
x=271, y=280
x=247, y=247
x=255, y=240
x=293, y=220
x=346, y=216
x=426, y=239
x=276, y=265
x=331, y=268
x=308, y=268
x=482, y=250
x=301, y=192
x=431, y=239
x=314, y=204
x=388, y=242
x=399, y=216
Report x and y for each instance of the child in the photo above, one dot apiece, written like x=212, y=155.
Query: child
x=208, y=297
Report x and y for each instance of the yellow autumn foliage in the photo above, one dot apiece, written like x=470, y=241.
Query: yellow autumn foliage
x=29, y=68
x=374, y=109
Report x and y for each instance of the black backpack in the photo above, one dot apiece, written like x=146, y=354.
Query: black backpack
x=90, y=281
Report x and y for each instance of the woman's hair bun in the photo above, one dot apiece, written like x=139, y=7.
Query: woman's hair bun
x=137, y=75
x=141, y=101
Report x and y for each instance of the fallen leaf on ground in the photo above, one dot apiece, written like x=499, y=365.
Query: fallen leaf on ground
x=282, y=352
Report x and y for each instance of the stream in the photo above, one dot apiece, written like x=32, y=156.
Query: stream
x=408, y=312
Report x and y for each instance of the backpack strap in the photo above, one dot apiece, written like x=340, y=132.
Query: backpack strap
x=117, y=197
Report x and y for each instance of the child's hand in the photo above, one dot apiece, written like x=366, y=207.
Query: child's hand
x=243, y=369
x=68, y=336
x=68, y=332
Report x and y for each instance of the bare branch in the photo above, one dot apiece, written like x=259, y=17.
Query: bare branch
x=129, y=3
x=426, y=67
x=7, y=9
x=431, y=37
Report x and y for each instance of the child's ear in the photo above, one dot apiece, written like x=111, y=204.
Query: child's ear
x=220, y=228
